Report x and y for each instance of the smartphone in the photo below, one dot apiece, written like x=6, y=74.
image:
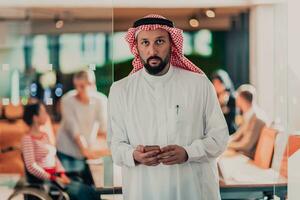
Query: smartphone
x=151, y=148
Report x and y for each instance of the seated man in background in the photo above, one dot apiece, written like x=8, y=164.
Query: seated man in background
x=245, y=139
x=84, y=116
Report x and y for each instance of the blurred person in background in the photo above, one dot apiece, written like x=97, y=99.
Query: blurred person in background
x=84, y=117
x=40, y=158
x=225, y=93
x=245, y=139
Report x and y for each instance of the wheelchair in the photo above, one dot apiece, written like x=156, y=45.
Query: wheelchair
x=36, y=189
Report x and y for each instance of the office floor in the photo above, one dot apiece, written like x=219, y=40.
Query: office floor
x=7, y=184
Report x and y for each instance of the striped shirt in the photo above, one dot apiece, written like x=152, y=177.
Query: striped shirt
x=40, y=157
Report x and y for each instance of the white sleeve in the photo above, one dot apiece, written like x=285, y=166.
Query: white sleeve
x=118, y=142
x=215, y=130
x=102, y=113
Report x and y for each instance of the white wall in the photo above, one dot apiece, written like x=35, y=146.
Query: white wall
x=293, y=93
x=262, y=55
x=294, y=66
x=268, y=60
x=275, y=71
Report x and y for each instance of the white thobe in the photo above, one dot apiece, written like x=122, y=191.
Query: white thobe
x=180, y=108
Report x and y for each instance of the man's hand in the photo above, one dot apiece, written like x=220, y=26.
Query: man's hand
x=148, y=158
x=63, y=179
x=89, y=154
x=172, y=154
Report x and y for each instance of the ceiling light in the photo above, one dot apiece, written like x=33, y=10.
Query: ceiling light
x=194, y=22
x=59, y=23
x=210, y=13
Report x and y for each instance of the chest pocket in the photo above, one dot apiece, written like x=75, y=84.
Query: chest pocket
x=179, y=118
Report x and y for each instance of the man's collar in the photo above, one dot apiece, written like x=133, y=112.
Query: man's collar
x=158, y=79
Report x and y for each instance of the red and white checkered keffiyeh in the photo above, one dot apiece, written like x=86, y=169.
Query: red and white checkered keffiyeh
x=177, y=57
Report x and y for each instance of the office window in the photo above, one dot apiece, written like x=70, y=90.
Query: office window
x=93, y=49
x=80, y=50
x=70, y=53
x=187, y=48
x=120, y=51
x=40, y=55
x=203, y=42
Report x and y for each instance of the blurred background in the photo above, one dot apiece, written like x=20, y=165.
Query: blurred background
x=43, y=43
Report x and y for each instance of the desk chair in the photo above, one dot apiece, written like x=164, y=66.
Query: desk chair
x=265, y=148
x=292, y=146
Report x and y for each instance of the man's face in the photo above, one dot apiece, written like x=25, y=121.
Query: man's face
x=154, y=49
x=219, y=87
x=42, y=116
x=81, y=85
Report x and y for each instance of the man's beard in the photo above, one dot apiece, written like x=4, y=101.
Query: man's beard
x=157, y=69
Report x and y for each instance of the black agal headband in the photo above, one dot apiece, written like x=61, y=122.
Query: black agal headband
x=152, y=20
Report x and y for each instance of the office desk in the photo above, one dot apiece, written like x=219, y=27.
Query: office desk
x=240, y=178
x=230, y=189
x=252, y=191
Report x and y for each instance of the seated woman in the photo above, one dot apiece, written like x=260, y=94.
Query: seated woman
x=40, y=155
x=225, y=92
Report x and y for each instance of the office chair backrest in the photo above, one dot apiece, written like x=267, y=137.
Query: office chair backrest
x=265, y=148
x=292, y=146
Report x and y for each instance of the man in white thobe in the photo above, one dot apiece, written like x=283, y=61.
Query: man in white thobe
x=169, y=102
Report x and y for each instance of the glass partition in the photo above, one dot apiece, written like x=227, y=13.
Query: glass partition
x=42, y=47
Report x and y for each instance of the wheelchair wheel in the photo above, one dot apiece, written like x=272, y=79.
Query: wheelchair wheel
x=30, y=193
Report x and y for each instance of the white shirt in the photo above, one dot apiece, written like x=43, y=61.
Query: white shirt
x=180, y=108
x=50, y=157
x=247, y=115
x=80, y=118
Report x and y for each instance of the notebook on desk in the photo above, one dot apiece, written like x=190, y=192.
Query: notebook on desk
x=228, y=165
x=239, y=169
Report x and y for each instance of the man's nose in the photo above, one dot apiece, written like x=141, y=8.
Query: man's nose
x=152, y=50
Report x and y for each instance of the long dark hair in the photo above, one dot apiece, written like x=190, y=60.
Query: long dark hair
x=30, y=111
x=223, y=76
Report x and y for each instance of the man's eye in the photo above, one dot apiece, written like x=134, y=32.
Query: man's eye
x=144, y=43
x=160, y=41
